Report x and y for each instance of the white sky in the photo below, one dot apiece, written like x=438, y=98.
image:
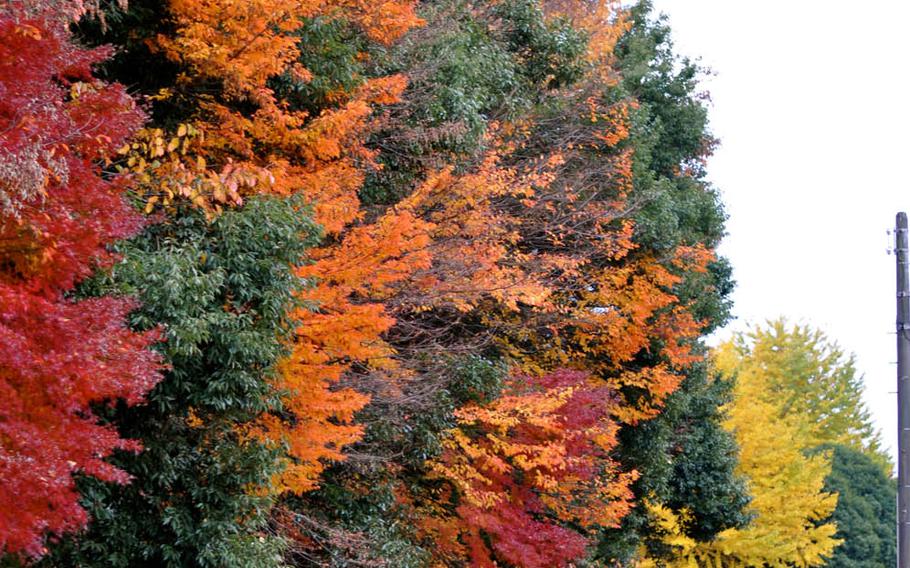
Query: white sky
x=811, y=104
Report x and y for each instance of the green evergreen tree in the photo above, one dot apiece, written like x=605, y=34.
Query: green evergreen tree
x=221, y=291
x=703, y=480
x=865, y=513
x=688, y=462
x=672, y=141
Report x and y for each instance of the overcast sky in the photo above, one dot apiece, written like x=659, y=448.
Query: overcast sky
x=810, y=101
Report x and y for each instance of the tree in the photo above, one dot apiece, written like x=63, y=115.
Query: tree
x=690, y=467
x=223, y=290
x=813, y=377
x=865, y=510
x=233, y=121
x=704, y=480
x=812, y=380
x=672, y=141
x=61, y=360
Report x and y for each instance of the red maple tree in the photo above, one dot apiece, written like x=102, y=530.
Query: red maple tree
x=58, y=213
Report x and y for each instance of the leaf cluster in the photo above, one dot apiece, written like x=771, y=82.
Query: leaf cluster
x=222, y=290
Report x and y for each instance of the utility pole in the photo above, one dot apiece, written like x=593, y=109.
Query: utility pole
x=903, y=392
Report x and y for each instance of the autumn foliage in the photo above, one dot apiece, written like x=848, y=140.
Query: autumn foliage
x=787, y=480
x=433, y=276
x=530, y=470
x=245, y=139
x=57, y=215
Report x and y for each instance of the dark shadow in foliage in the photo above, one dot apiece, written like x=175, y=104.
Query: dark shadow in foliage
x=135, y=64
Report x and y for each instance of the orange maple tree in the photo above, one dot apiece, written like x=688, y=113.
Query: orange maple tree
x=343, y=324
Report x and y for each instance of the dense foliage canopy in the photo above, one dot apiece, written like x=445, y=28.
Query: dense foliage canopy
x=388, y=283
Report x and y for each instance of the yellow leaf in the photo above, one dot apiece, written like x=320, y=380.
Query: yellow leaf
x=150, y=204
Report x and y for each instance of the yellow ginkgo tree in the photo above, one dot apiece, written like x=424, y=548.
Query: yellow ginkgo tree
x=786, y=480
